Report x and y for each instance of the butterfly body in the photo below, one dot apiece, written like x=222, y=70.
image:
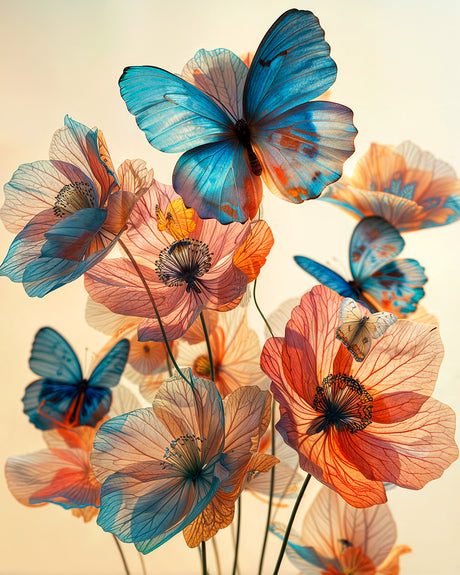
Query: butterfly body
x=236, y=125
x=357, y=331
x=63, y=397
x=379, y=281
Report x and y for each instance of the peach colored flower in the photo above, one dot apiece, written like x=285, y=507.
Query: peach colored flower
x=354, y=424
x=69, y=211
x=338, y=539
x=406, y=186
x=187, y=263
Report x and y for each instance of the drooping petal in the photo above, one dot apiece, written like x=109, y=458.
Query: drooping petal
x=53, y=476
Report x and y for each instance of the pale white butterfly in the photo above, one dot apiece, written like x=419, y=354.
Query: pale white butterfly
x=357, y=331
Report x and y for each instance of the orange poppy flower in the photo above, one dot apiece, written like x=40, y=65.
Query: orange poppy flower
x=356, y=425
x=406, y=186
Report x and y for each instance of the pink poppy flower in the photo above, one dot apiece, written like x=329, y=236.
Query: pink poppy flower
x=406, y=186
x=162, y=467
x=355, y=424
x=187, y=263
x=68, y=212
x=338, y=539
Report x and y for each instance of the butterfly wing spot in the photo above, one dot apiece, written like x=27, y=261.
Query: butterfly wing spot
x=311, y=152
x=266, y=63
x=357, y=331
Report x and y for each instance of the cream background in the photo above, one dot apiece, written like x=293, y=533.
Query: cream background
x=398, y=70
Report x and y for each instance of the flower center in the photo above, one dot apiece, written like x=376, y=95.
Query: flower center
x=187, y=455
x=183, y=261
x=73, y=197
x=343, y=402
x=202, y=367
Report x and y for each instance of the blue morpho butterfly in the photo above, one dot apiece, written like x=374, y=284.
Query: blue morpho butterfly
x=379, y=281
x=237, y=125
x=64, y=397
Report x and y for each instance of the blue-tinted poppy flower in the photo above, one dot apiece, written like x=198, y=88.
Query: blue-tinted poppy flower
x=68, y=211
x=406, y=186
x=161, y=467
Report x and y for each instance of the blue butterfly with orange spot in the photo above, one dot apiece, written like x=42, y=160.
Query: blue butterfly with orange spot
x=238, y=125
x=380, y=281
x=63, y=397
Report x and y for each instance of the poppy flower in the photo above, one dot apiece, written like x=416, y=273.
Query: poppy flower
x=186, y=262
x=62, y=473
x=68, y=211
x=338, y=539
x=161, y=467
x=147, y=364
x=406, y=186
x=358, y=424
x=235, y=352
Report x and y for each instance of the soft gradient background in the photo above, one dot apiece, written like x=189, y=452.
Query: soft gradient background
x=398, y=71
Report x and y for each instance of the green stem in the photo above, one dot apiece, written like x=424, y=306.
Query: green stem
x=289, y=525
x=272, y=486
x=260, y=311
x=141, y=558
x=216, y=553
x=203, y=558
x=155, y=309
x=237, y=543
x=208, y=345
x=272, y=471
x=122, y=554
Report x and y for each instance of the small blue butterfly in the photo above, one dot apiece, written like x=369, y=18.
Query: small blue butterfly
x=237, y=125
x=64, y=397
x=379, y=281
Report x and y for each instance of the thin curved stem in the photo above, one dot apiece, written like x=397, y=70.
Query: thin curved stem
x=155, y=309
x=259, y=310
x=289, y=525
x=208, y=345
x=217, y=556
x=237, y=542
x=272, y=471
x=121, y=553
x=203, y=558
x=270, y=495
x=141, y=558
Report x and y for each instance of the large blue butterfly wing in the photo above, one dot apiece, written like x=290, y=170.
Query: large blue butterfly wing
x=292, y=66
x=174, y=115
x=397, y=286
x=374, y=243
x=326, y=276
x=108, y=371
x=304, y=149
x=215, y=180
x=53, y=358
x=301, y=145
